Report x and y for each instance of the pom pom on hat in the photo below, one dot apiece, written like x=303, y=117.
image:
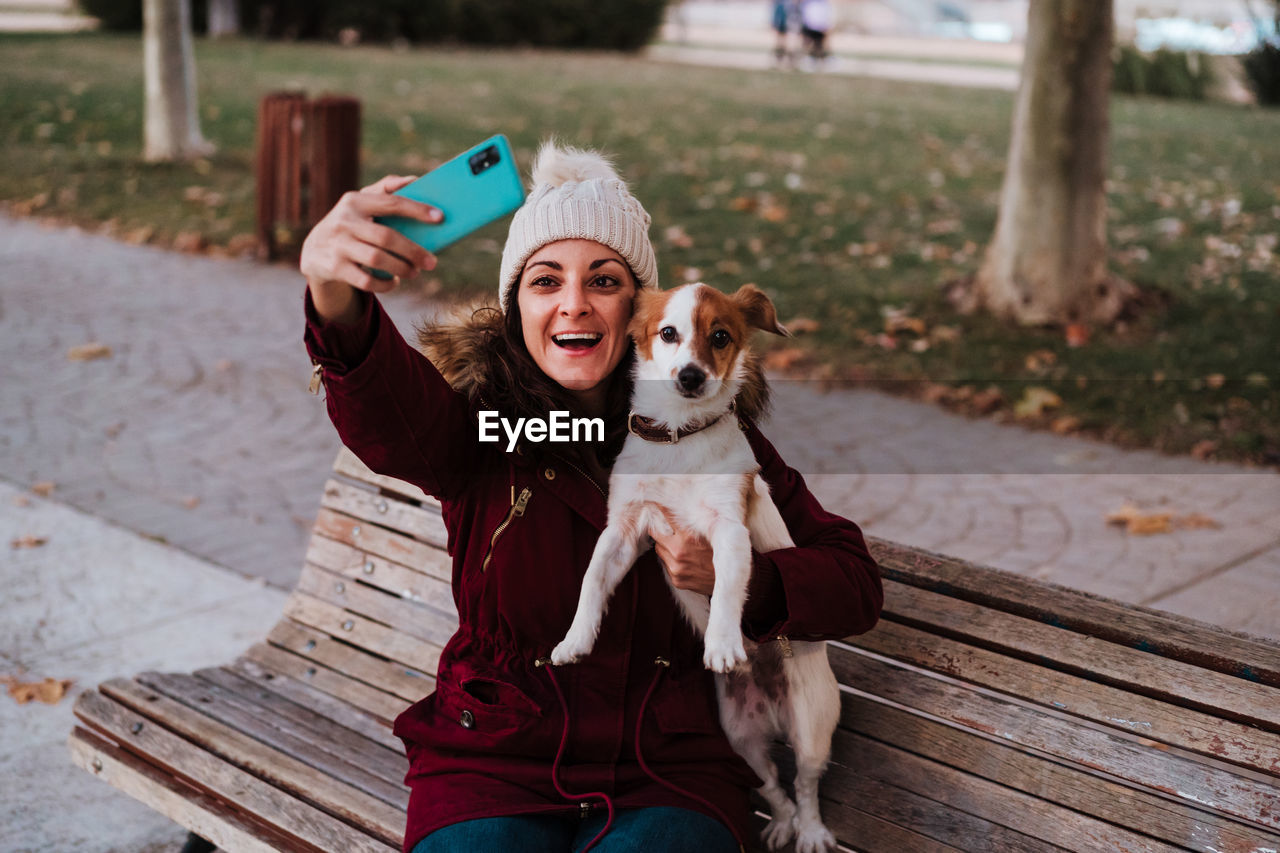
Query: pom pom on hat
x=577, y=194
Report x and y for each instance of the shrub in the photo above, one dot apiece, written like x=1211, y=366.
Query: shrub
x=603, y=24
x=1262, y=67
x=1165, y=73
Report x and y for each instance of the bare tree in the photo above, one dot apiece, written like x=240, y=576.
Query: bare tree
x=1047, y=261
x=172, y=121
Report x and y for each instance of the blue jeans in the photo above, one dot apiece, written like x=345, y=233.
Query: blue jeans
x=652, y=830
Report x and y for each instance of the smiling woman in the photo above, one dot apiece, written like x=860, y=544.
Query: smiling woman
x=507, y=750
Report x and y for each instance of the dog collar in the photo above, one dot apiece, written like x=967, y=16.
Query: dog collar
x=642, y=427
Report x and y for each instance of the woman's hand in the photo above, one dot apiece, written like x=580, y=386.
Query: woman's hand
x=347, y=239
x=687, y=558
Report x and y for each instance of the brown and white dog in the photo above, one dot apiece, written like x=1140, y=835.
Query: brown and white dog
x=685, y=459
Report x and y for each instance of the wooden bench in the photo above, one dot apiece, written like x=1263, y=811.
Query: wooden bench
x=986, y=712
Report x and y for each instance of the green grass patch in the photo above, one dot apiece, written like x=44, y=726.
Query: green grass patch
x=852, y=201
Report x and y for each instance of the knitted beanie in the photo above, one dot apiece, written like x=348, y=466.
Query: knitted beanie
x=577, y=195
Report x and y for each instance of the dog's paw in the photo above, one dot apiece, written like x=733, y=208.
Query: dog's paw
x=571, y=649
x=724, y=655
x=813, y=837
x=781, y=828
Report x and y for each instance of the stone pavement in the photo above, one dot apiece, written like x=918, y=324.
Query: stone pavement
x=187, y=467
x=97, y=602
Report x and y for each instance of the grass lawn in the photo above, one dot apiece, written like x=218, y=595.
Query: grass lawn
x=851, y=201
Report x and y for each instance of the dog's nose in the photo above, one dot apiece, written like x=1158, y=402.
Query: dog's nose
x=691, y=379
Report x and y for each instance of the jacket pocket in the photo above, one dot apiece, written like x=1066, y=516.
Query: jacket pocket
x=486, y=712
x=518, y=505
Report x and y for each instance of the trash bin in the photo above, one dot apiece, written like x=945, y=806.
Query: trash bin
x=308, y=155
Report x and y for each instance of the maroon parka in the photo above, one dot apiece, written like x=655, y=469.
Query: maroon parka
x=522, y=526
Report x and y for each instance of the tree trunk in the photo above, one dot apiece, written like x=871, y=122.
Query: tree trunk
x=224, y=18
x=172, y=123
x=1047, y=262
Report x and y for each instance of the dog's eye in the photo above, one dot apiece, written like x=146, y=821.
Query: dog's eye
x=668, y=334
x=720, y=339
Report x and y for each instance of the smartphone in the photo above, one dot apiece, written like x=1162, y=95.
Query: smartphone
x=473, y=189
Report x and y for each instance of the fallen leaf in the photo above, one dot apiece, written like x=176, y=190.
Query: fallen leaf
x=89, y=352
x=678, y=237
x=783, y=359
x=1077, y=335
x=44, y=488
x=1149, y=525
x=21, y=501
x=1204, y=449
x=1034, y=402
x=1066, y=425
x=189, y=241
x=1140, y=523
x=944, y=334
x=50, y=691
x=1040, y=359
x=987, y=401
x=744, y=203
x=1215, y=380
x=191, y=502
x=935, y=392
x=773, y=213
x=28, y=542
x=1196, y=521
x=802, y=325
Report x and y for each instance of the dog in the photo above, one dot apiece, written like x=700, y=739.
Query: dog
x=686, y=459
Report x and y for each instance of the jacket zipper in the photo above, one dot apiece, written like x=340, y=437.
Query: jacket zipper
x=518, y=505
x=585, y=474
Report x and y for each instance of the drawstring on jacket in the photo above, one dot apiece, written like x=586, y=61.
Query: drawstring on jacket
x=662, y=664
x=555, y=766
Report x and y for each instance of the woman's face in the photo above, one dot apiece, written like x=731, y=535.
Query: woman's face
x=575, y=299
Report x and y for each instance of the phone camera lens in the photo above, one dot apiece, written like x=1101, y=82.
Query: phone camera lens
x=485, y=159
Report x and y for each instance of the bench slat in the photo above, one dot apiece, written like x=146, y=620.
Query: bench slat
x=1035, y=823
x=387, y=544
x=874, y=834
x=1124, y=757
x=901, y=806
x=349, y=465
x=406, y=616
x=1143, y=672
x=1075, y=788
x=407, y=582
x=405, y=682
x=344, y=713
x=362, y=632
x=383, y=706
x=1110, y=706
x=1137, y=627
x=387, y=761
x=186, y=806
x=241, y=790
x=277, y=734
x=424, y=524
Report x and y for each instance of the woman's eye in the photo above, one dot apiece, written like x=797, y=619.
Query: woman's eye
x=543, y=281
x=720, y=339
x=604, y=281
x=668, y=334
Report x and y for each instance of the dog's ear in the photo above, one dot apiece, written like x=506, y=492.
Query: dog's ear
x=646, y=302
x=758, y=309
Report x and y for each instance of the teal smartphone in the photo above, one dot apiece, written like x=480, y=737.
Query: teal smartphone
x=478, y=186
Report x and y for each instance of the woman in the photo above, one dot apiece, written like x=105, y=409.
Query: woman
x=509, y=754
